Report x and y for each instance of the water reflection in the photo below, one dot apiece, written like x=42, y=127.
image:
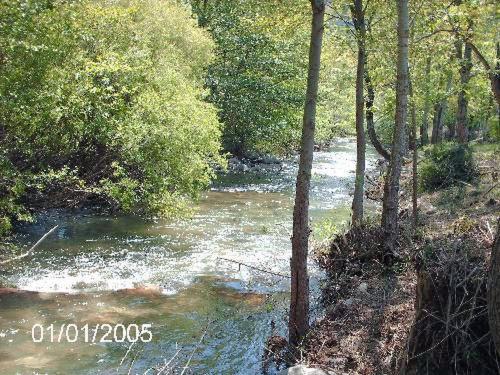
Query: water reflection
x=170, y=275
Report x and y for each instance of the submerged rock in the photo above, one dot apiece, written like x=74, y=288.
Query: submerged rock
x=363, y=288
x=269, y=159
x=264, y=163
x=142, y=290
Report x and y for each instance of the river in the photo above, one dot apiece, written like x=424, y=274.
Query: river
x=209, y=312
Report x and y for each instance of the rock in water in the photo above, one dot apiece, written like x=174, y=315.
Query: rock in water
x=302, y=370
x=363, y=288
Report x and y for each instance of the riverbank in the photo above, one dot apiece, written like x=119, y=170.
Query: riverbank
x=44, y=208
x=254, y=163
x=376, y=315
x=65, y=194
x=262, y=162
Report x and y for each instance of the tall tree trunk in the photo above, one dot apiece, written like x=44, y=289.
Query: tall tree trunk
x=424, y=136
x=370, y=125
x=465, y=68
x=494, y=291
x=414, y=148
x=437, y=123
x=359, y=184
x=391, y=189
x=298, y=323
x=495, y=81
x=439, y=112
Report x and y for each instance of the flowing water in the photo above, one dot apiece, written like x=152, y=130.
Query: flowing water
x=203, y=310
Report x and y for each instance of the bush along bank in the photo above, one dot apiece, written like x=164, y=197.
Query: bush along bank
x=96, y=109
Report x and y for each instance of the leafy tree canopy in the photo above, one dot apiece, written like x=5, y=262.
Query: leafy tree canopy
x=104, y=101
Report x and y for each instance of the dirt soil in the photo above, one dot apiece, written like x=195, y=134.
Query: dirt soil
x=369, y=307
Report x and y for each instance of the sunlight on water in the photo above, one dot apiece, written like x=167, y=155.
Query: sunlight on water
x=129, y=270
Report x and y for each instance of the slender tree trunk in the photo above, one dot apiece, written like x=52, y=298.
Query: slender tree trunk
x=359, y=184
x=424, y=136
x=439, y=111
x=413, y=146
x=494, y=291
x=495, y=81
x=391, y=189
x=370, y=125
x=298, y=323
x=444, y=105
x=370, y=100
x=465, y=68
x=437, y=123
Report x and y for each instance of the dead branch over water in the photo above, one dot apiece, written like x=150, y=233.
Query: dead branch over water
x=30, y=251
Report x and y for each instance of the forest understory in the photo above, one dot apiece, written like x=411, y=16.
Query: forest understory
x=425, y=311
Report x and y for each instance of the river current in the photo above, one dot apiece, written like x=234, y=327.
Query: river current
x=204, y=311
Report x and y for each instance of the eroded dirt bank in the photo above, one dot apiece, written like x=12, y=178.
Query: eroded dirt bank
x=424, y=311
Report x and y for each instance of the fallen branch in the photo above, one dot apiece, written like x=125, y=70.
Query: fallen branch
x=125, y=356
x=370, y=180
x=253, y=267
x=195, y=349
x=165, y=367
x=462, y=182
x=32, y=247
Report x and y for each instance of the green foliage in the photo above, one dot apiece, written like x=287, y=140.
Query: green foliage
x=11, y=189
x=326, y=228
x=494, y=129
x=107, y=97
x=336, y=99
x=256, y=79
x=447, y=164
x=121, y=102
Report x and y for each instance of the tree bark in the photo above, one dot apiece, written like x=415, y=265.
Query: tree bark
x=424, y=136
x=462, y=104
x=437, y=124
x=391, y=188
x=359, y=24
x=494, y=291
x=413, y=147
x=370, y=125
x=298, y=323
x=439, y=111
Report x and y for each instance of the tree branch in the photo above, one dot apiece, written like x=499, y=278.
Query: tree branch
x=433, y=33
x=480, y=56
x=253, y=267
x=32, y=247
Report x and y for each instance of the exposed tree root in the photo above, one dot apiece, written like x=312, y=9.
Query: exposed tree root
x=451, y=332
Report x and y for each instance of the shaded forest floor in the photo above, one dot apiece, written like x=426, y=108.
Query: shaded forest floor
x=379, y=318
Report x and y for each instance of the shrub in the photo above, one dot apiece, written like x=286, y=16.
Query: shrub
x=447, y=164
x=103, y=100
x=11, y=188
